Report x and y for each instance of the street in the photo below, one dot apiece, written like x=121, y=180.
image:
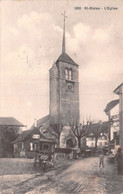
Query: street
x=81, y=176
x=84, y=176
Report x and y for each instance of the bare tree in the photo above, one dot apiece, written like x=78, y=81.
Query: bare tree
x=97, y=129
x=55, y=130
x=96, y=132
x=80, y=130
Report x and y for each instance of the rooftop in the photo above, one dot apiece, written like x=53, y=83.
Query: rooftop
x=41, y=122
x=117, y=90
x=65, y=58
x=111, y=105
x=96, y=126
x=26, y=133
x=10, y=121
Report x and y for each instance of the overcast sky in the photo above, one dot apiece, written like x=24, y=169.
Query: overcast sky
x=31, y=40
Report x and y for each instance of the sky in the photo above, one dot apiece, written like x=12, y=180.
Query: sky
x=31, y=40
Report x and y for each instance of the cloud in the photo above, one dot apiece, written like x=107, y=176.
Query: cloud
x=102, y=35
x=33, y=19
x=81, y=32
x=35, y=40
x=57, y=28
x=79, y=37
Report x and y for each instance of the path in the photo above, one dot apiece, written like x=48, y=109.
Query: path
x=83, y=176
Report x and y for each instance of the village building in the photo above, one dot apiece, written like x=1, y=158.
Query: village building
x=119, y=92
x=9, y=130
x=102, y=141
x=112, y=111
x=30, y=142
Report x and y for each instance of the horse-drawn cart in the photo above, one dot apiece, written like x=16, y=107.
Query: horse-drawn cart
x=45, y=154
x=44, y=161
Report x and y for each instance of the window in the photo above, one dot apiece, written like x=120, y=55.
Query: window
x=35, y=146
x=31, y=146
x=114, y=134
x=66, y=74
x=93, y=138
x=117, y=140
x=20, y=146
x=70, y=74
x=45, y=147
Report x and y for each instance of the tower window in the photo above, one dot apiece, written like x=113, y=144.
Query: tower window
x=66, y=74
x=70, y=74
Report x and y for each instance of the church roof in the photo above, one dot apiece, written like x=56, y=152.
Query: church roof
x=111, y=105
x=41, y=122
x=65, y=58
x=26, y=133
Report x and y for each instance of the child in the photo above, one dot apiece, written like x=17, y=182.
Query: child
x=101, y=160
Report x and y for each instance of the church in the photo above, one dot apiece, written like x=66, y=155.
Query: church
x=64, y=93
x=64, y=89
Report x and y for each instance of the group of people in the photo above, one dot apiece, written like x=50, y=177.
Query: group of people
x=118, y=157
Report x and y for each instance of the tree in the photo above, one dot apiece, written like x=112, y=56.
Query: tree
x=80, y=130
x=55, y=130
x=7, y=135
x=97, y=129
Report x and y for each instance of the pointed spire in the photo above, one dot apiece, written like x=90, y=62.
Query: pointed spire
x=63, y=42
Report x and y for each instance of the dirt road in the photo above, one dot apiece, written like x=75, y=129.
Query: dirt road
x=81, y=176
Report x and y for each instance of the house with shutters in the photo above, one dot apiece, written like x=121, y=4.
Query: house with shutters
x=102, y=141
x=33, y=141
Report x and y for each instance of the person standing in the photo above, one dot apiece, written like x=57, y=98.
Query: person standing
x=101, y=159
x=119, y=160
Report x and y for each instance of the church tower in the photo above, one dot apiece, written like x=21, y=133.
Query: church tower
x=64, y=88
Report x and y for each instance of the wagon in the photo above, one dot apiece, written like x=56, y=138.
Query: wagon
x=45, y=154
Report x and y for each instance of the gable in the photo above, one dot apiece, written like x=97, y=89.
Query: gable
x=65, y=58
x=29, y=134
x=41, y=122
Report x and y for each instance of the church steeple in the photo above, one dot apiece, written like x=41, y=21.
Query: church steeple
x=64, y=88
x=64, y=57
x=63, y=42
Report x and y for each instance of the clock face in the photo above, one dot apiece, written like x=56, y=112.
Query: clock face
x=70, y=87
